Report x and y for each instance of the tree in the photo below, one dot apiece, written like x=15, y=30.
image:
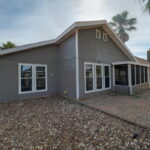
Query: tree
x=7, y=45
x=146, y=5
x=121, y=24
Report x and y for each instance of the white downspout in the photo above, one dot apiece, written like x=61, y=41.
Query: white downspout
x=77, y=64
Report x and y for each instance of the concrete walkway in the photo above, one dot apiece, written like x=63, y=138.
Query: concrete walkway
x=135, y=109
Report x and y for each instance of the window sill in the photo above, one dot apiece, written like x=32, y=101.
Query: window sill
x=32, y=92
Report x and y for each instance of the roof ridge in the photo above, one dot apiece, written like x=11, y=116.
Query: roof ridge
x=70, y=30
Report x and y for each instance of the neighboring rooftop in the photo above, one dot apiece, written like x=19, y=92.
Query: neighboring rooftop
x=142, y=61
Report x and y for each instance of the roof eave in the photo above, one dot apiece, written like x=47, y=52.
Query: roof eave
x=26, y=47
x=70, y=31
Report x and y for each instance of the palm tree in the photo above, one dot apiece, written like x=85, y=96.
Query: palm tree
x=7, y=45
x=121, y=24
x=146, y=5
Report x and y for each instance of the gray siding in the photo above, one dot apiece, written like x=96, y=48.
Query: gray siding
x=122, y=89
x=96, y=50
x=61, y=64
x=9, y=71
x=67, y=67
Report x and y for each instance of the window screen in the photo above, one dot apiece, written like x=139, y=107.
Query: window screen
x=142, y=74
x=107, y=76
x=121, y=75
x=133, y=74
x=26, y=78
x=137, y=74
x=146, y=74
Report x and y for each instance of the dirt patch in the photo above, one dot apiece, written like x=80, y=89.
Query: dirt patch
x=54, y=123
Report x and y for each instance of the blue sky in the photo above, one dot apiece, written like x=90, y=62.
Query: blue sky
x=29, y=21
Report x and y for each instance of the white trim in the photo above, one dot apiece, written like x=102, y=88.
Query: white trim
x=135, y=73
x=94, y=77
x=129, y=78
x=34, y=90
x=120, y=43
x=70, y=30
x=135, y=76
x=98, y=34
x=77, y=64
x=88, y=63
x=113, y=77
x=105, y=37
x=109, y=77
x=46, y=79
x=129, y=62
x=97, y=64
x=19, y=79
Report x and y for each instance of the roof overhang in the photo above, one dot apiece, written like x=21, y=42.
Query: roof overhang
x=71, y=30
x=129, y=62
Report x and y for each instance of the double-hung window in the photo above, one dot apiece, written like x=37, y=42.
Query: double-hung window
x=40, y=78
x=26, y=75
x=89, y=77
x=32, y=78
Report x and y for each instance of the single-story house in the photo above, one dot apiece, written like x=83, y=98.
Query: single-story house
x=86, y=59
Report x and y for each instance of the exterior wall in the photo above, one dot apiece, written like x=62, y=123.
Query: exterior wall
x=140, y=88
x=67, y=67
x=61, y=66
x=9, y=71
x=96, y=50
x=122, y=89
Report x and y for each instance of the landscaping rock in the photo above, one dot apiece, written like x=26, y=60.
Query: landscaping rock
x=54, y=123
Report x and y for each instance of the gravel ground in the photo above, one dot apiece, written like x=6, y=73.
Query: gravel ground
x=54, y=123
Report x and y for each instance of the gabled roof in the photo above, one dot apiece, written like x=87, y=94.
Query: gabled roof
x=71, y=30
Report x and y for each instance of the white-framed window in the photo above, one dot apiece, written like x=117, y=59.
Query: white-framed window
x=105, y=37
x=32, y=78
x=107, y=77
x=89, y=77
x=97, y=77
x=98, y=34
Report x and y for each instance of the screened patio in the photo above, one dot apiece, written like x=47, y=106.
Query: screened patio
x=130, y=77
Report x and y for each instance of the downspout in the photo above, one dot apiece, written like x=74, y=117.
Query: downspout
x=77, y=63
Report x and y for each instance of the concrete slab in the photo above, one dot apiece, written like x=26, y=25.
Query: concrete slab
x=132, y=108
